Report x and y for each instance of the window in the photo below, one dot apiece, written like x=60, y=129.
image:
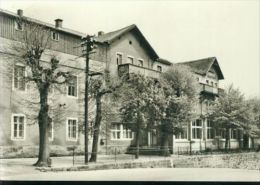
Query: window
x=116, y=131
x=210, y=130
x=221, y=132
x=234, y=134
x=72, y=86
x=182, y=135
x=159, y=68
x=72, y=128
x=130, y=60
x=19, y=77
x=197, y=129
x=207, y=81
x=18, y=127
x=120, y=131
x=140, y=63
x=216, y=84
x=18, y=25
x=119, y=58
x=212, y=84
x=55, y=36
x=51, y=132
x=127, y=133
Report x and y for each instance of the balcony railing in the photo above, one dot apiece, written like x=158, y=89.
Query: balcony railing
x=209, y=89
x=131, y=68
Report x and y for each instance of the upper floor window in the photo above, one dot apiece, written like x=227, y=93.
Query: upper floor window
x=119, y=58
x=55, y=36
x=72, y=127
x=120, y=131
x=19, y=77
x=130, y=60
x=207, y=81
x=72, y=86
x=18, y=25
x=159, y=68
x=140, y=62
x=197, y=129
x=18, y=127
x=212, y=84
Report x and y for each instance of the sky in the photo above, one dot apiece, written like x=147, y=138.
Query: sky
x=178, y=30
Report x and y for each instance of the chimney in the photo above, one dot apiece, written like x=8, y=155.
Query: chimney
x=20, y=12
x=58, y=23
x=100, y=33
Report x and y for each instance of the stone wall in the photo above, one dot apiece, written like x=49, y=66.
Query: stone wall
x=249, y=161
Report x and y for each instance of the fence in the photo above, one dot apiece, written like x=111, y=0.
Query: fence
x=116, y=155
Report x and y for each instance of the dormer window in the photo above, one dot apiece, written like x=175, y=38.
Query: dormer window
x=55, y=36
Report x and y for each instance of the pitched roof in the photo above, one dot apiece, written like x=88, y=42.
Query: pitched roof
x=164, y=61
x=66, y=30
x=202, y=66
x=112, y=36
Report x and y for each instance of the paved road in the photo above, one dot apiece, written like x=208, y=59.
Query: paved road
x=146, y=174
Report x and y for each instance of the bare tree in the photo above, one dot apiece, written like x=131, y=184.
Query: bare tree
x=32, y=43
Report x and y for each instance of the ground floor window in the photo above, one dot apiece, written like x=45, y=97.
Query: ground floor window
x=210, y=130
x=18, y=127
x=72, y=127
x=183, y=134
x=234, y=134
x=120, y=131
x=221, y=132
x=51, y=132
x=196, y=129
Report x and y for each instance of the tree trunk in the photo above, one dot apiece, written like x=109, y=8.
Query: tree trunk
x=227, y=139
x=97, y=124
x=44, y=125
x=165, y=144
x=137, y=143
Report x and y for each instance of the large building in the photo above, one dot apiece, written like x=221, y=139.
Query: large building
x=122, y=51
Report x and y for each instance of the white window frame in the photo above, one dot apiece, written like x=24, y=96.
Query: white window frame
x=58, y=35
x=121, y=133
x=182, y=139
x=67, y=129
x=16, y=26
x=12, y=127
x=197, y=127
x=52, y=132
x=119, y=53
x=129, y=56
x=77, y=88
x=231, y=134
x=25, y=75
x=209, y=128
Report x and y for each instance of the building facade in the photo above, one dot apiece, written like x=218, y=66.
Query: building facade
x=122, y=51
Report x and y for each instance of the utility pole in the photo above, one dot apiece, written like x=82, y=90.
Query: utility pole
x=88, y=43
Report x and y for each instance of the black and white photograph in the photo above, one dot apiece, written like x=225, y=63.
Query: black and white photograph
x=145, y=91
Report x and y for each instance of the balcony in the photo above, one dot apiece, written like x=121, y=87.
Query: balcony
x=209, y=89
x=131, y=68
